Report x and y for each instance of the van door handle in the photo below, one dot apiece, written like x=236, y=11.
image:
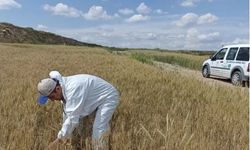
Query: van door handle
x=221, y=61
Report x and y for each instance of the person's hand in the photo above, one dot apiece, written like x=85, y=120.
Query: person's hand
x=66, y=142
x=53, y=144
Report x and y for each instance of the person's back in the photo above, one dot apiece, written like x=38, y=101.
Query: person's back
x=89, y=90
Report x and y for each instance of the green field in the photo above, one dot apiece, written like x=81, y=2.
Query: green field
x=188, y=59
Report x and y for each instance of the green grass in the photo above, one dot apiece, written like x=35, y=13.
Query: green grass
x=142, y=58
x=181, y=61
x=190, y=60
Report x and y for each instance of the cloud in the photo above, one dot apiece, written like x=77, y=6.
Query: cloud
x=192, y=34
x=209, y=37
x=143, y=9
x=118, y=35
x=161, y=33
x=126, y=11
x=192, y=19
x=137, y=18
x=160, y=12
x=96, y=13
x=63, y=10
x=241, y=41
x=8, y=4
x=189, y=3
x=195, y=36
x=151, y=36
x=187, y=19
x=207, y=18
x=195, y=39
x=42, y=27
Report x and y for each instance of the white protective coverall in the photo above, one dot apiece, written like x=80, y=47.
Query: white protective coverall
x=84, y=94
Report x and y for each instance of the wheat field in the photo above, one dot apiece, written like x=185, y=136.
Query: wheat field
x=158, y=110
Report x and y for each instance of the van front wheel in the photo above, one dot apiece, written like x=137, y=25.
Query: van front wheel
x=205, y=72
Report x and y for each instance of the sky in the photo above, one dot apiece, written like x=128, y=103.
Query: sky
x=153, y=24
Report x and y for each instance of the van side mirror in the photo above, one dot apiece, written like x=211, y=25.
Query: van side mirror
x=212, y=58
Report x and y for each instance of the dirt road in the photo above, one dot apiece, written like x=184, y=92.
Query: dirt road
x=195, y=74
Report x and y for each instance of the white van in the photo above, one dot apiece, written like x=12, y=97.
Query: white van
x=230, y=62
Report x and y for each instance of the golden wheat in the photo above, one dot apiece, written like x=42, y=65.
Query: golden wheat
x=158, y=109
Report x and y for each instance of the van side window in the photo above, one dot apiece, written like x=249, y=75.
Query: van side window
x=220, y=55
x=232, y=52
x=243, y=54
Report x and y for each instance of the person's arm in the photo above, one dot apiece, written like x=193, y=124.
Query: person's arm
x=64, y=114
x=73, y=110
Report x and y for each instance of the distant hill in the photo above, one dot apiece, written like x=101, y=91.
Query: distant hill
x=10, y=33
